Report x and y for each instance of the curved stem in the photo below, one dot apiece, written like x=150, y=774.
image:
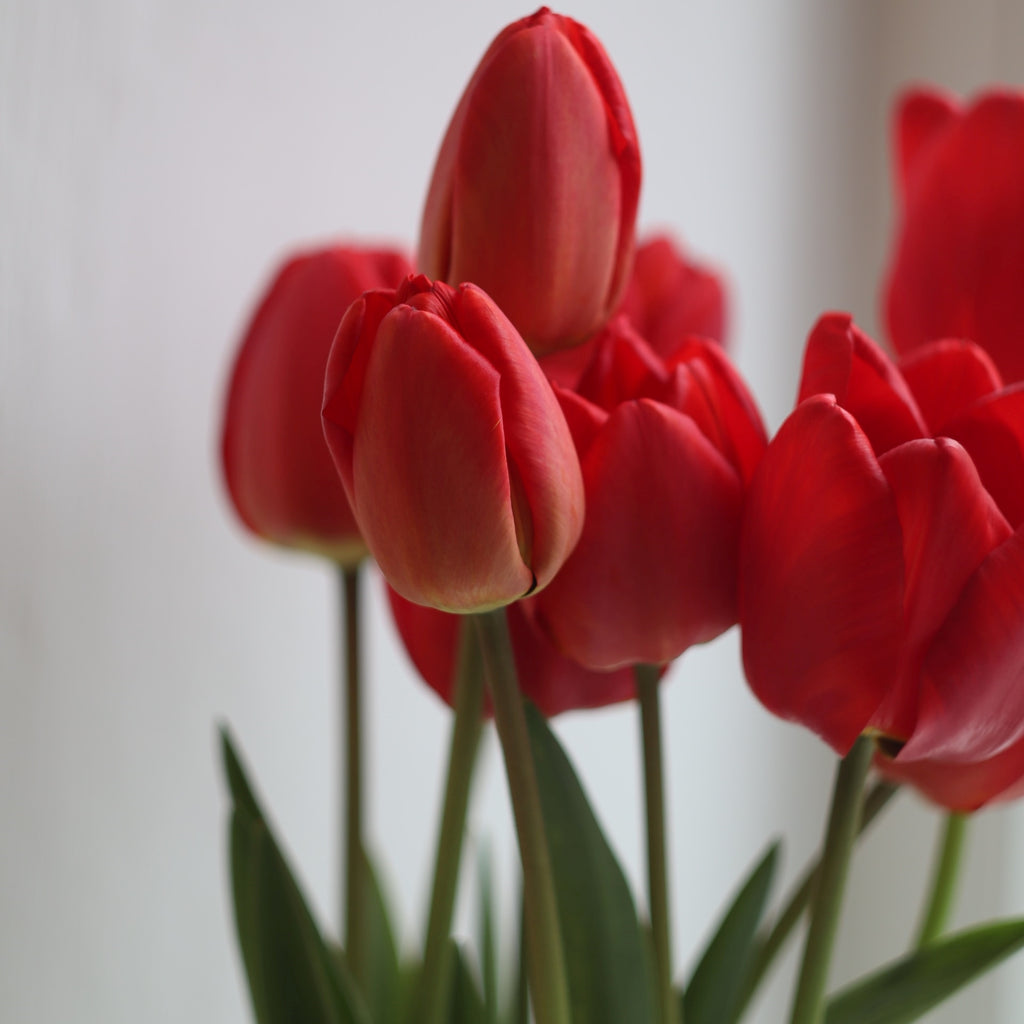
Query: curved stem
x=545, y=956
x=944, y=879
x=466, y=727
x=352, y=840
x=657, y=872
x=771, y=944
x=844, y=818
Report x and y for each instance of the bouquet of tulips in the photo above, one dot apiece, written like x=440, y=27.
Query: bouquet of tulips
x=536, y=433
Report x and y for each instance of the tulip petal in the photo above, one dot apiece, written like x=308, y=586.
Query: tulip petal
x=585, y=419
x=430, y=420
x=654, y=571
x=946, y=377
x=992, y=431
x=950, y=524
x=921, y=117
x=668, y=297
x=957, y=786
x=278, y=469
x=821, y=576
x=720, y=402
x=621, y=365
x=564, y=290
x=546, y=677
x=841, y=360
x=972, y=694
x=959, y=258
x=542, y=458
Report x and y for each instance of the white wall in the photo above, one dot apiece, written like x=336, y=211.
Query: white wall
x=155, y=158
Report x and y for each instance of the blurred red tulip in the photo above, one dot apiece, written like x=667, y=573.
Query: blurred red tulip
x=667, y=448
x=451, y=446
x=881, y=582
x=535, y=189
x=278, y=470
x=957, y=264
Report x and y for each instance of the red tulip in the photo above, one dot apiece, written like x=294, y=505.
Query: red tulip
x=666, y=450
x=451, y=446
x=535, y=189
x=667, y=299
x=881, y=582
x=958, y=259
x=553, y=682
x=278, y=470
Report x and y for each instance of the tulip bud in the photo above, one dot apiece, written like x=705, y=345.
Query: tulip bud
x=535, y=189
x=957, y=261
x=278, y=470
x=452, y=448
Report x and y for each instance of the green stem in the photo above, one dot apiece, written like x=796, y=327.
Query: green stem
x=944, y=878
x=657, y=874
x=355, y=863
x=771, y=945
x=465, y=739
x=521, y=1002
x=545, y=956
x=847, y=797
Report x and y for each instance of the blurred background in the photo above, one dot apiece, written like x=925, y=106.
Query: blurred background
x=156, y=160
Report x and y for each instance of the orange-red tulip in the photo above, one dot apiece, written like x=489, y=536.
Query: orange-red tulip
x=278, y=470
x=536, y=185
x=451, y=446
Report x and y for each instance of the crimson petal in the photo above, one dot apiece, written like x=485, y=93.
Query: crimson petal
x=972, y=695
x=841, y=360
x=821, y=576
x=948, y=376
x=950, y=524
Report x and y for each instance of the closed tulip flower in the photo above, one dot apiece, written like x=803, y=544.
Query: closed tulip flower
x=535, y=189
x=451, y=446
x=278, y=470
x=667, y=448
x=881, y=580
x=957, y=265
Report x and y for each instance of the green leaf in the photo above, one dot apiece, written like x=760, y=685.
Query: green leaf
x=466, y=1005
x=488, y=946
x=907, y=988
x=609, y=982
x=383, y=984
x=713, y=993
x=292, y=974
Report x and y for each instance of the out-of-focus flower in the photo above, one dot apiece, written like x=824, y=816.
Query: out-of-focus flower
x=451, y=446
x=881, y=580
x=535, y=189
x=278, y=470
x=957, y=265
x=667, y=448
